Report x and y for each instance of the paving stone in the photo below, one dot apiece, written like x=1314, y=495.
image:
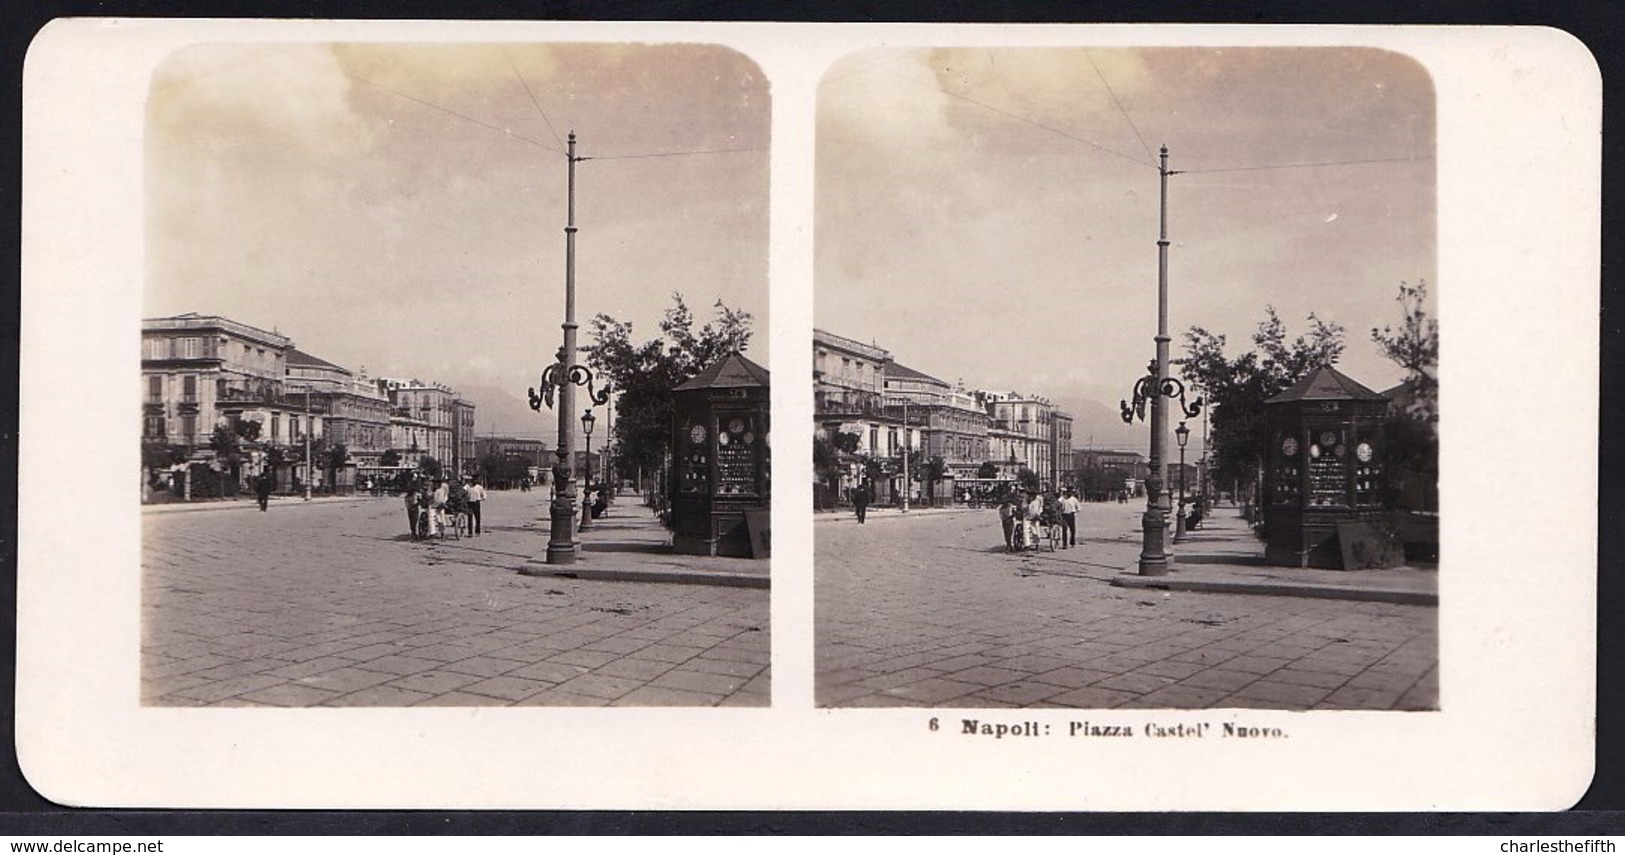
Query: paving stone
x=434, y=682
x=1139, y=682
x=216, y=690
x=985, y=676
x=933, y=690
x=695, y=681
x=1072, y=678
x=508, y=688
x=1020, y=693
x=1090, y=698
x=1253, y=664
x=656, y=696
x=483, y=666
x=592, y=658
x=1308, y=678
x=598, y=686
x=290, y=695
x=379, y=696
x=709, y=665
x=551, y=672
x=1220, y=678
x=1181, y=697
x=346, y=680
x=1301, y=697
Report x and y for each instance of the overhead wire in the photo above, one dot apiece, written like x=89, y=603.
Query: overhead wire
x=450, y=112
x=669, y=153
x=1119, y=104
x=1416, y=159
x=533, y=100
x=1052, y=130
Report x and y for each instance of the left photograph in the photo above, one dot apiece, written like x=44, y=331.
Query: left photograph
x=452, y=377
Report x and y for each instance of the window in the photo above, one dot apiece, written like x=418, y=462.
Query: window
x=191, y=348
x=189, y=429
x=189, y=387
x=157, y=348
x=155, y=388
x=276, y=426
x=153, y=427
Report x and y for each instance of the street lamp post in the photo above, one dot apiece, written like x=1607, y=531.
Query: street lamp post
x=1155, y=386
x=1182, y=434
x=907, y=447
x=561, y=378
x=309, y=426
x=587, y=422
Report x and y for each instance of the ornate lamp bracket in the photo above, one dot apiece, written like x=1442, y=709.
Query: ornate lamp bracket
x=1148, y=387
x=557, y=375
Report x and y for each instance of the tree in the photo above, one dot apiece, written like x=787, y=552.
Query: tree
x=1414, y=346
x=1411, y=431
x=645, y=374
x=988, y=469
x=1235, y=389
x=1029, y=480
x=333, y=459
x=390, y=458
x=429, y=466
x=934, y=471
x=247, y=429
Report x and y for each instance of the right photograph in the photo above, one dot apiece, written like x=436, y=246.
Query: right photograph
x=1125, y=374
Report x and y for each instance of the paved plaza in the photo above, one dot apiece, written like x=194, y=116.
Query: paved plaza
x=929, y=610
x=329, y=603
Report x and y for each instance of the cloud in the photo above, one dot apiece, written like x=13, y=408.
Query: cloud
x=223, y=97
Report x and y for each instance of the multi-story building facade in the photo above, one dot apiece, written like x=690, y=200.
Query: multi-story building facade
x=202, y=372
x=355, y=413
x=947, y=421
x=429, y=418
x=462, y=436
x=849, y=397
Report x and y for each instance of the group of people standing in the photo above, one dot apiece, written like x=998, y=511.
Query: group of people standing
x=1023, y=512
x=429, y=507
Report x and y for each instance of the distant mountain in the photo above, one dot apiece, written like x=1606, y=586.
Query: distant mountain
x=1098, y=425
x=505, y=412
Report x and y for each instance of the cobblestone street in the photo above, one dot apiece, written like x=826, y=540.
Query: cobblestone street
x=329, y=603
x=929, y=610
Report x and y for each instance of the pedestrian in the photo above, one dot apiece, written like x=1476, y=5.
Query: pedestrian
x=1069, y=519
x=1033, y=514
x=412, y=517
x=437, y=502
x=262, y=490
x=476, y=495
x=860, y=501
x=1007, y=520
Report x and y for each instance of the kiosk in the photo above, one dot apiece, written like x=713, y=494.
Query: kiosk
x=720, y=474
x=1324, y=476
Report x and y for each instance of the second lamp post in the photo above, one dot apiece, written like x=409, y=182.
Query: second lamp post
x=587, y=422
x=1182, y=434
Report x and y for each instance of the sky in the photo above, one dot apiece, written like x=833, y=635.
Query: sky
x=990, y=215
x=402, y=207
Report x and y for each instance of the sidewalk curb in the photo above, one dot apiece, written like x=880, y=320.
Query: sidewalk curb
x=629, y=574
x=249, y=504
x=1131, y=579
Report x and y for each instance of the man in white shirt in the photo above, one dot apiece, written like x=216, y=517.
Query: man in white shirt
x=474, y=494
x=1069, y=519
x=437, y=503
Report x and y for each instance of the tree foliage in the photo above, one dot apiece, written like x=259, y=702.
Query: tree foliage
x=644, y=374
x=1235, y=389
x=390, y=457
x=1412, y=431
x=988, y=469
x=1414, y=346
